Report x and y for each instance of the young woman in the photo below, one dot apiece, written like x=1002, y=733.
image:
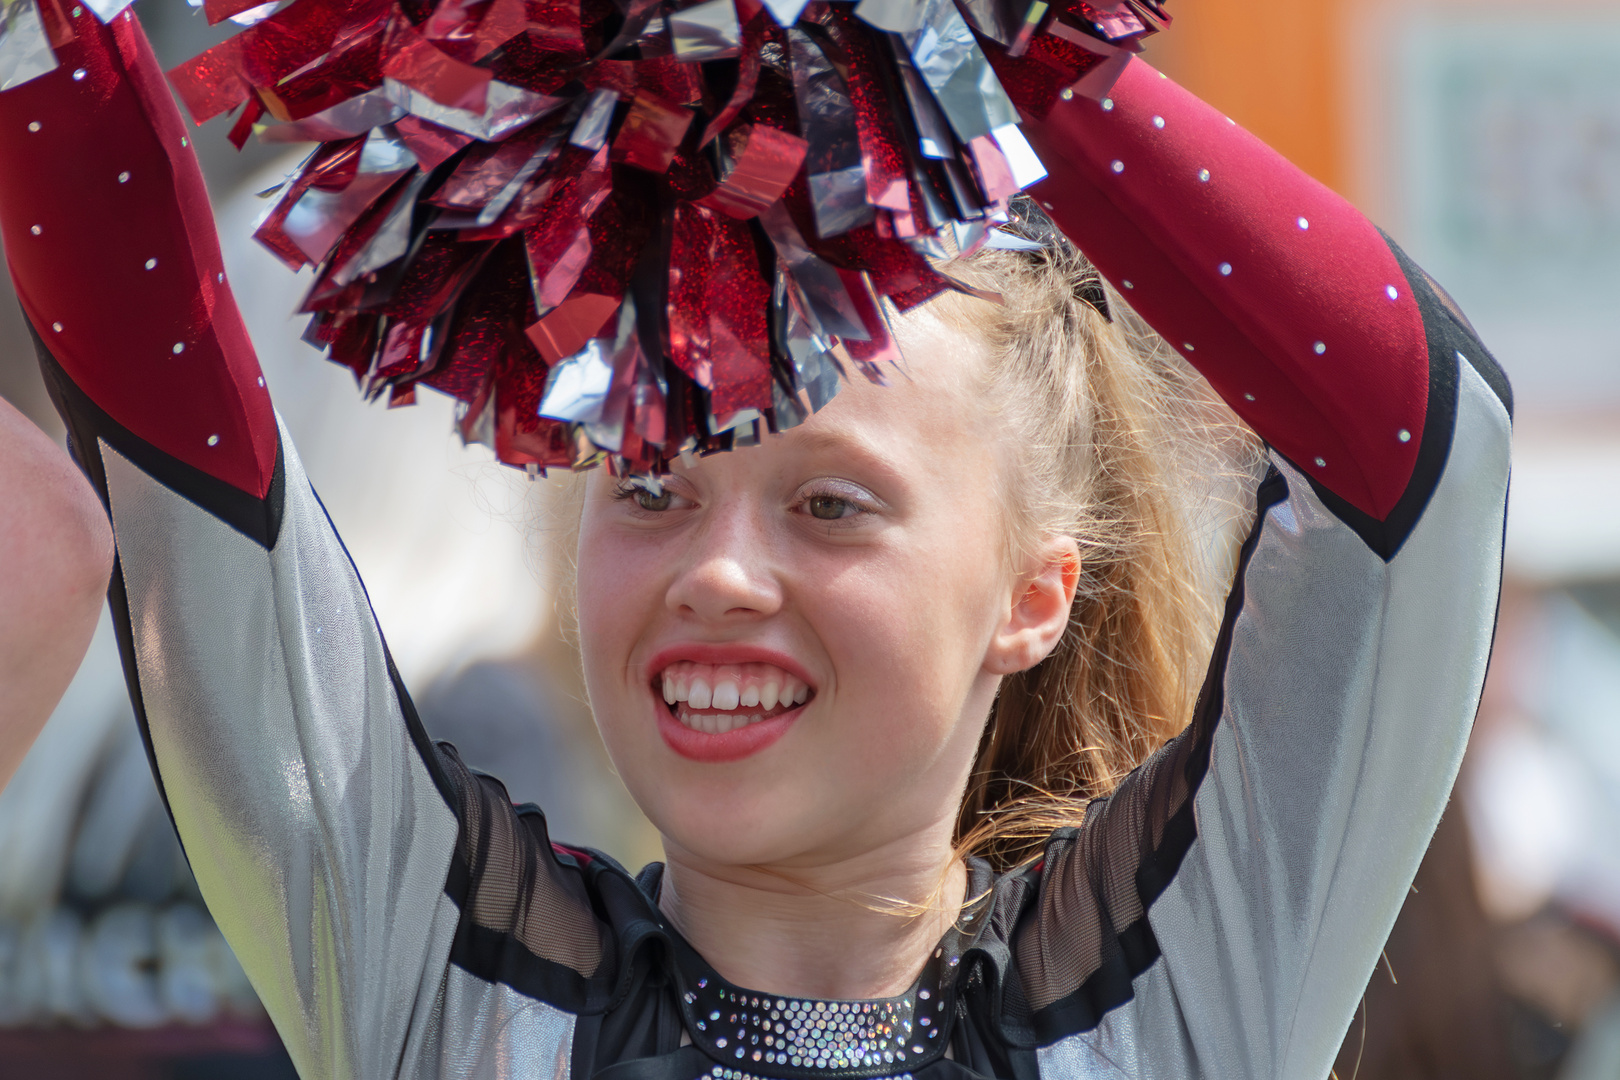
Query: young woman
x=822, y=664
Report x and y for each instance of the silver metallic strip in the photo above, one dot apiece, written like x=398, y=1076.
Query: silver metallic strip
x=488, y=1031
x=316, y=833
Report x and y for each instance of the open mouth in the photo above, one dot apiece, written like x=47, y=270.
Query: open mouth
x=716, y=699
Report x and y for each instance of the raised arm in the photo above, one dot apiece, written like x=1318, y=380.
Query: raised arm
x=1219, y=915
x=334, y=845
x=55, y=554
x=1312, y=325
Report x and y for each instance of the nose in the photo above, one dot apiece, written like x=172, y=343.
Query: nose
x=728, y=570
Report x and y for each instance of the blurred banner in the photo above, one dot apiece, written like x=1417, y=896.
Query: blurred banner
x=1506, y=132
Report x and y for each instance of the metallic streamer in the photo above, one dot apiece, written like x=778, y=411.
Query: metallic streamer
x=954, y=67
x=25, y=47
x=106, y=10
x=320, y=218
x=786, y=12
x=506, y=109
x=818, y=372
x=769, y=160
x=706, y=31
x=827, y=302
x=1002, y=240
x=497, y=205
x=1003, y=21
x=839, y=199
x=391, y=241
x=433, y=145
x=995, y=174
x=637, y=15
x=895, y=16
x=651, y=133
x=934, y=136
x=1100, y=79
x=1114, y=18
x=345, y=120
x=565, y=329
x=590, y=131
x=419, y=64
x=1021, y=157
x=578, y=387
x=827, y=123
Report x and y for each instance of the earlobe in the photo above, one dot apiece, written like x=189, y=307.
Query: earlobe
x=1040, y=613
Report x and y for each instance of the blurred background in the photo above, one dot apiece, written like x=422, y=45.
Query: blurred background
x=1484, y=135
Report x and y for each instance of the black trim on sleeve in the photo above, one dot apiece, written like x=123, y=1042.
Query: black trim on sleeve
x=420, y=739
x=88, y=426
x=1137, y=947
x=257, y=519
x=1451, y=340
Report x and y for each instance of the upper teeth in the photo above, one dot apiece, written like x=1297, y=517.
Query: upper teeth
x=728, y=686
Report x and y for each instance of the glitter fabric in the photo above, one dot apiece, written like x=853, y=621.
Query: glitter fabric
x=748, y=1035
x=819, y=1035
x=621, y=231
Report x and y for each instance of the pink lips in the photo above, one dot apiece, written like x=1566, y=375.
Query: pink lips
x=731, y=746
x=738, y=743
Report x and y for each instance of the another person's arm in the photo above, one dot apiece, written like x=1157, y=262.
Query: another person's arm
x=1219, y=915
x=55, y=555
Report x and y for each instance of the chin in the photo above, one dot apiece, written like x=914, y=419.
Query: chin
x=743, y=822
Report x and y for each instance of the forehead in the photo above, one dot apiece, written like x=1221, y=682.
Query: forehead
x=931, y=405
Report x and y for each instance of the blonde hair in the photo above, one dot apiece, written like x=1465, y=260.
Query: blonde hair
x=1116, y=442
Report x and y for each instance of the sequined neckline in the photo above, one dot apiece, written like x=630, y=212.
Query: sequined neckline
x=756, y=1036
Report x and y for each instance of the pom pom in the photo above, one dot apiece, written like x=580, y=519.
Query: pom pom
x=622, y=230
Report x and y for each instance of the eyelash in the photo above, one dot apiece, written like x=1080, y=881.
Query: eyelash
x=629, y=491
x=861, y=504
x=858, y=501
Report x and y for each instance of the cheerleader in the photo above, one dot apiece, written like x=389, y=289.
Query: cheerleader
x=954, y=777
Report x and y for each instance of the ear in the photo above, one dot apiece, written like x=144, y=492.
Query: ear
x=1040, y=608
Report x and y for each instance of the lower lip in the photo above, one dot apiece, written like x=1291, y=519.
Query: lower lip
x=733, y=745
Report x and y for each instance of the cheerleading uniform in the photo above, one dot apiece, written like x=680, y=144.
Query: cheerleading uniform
x=1217, y=915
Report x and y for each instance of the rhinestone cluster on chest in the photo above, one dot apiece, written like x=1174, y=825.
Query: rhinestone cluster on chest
x=820, y=1035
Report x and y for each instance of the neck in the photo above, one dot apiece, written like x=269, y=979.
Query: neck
x=831, y=930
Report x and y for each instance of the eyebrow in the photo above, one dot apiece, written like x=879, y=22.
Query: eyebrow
x=841, y=440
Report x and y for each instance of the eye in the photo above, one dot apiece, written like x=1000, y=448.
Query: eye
x=644, y=498
x=833, y=500
x=830, y=507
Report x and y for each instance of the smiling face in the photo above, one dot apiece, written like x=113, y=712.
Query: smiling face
x=791, y=652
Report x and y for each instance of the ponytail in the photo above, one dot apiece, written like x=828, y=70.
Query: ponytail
x=1123, y=447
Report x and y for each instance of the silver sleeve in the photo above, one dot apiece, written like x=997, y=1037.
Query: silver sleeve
x=311, y=815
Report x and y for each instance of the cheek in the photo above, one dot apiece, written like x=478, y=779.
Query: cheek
x=613, y=588
x=908, y=640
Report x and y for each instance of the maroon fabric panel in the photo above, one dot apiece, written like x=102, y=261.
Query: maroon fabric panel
x=125, y=260
x=1225, y=266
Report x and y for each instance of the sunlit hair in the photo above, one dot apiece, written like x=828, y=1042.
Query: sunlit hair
x=1116, y=442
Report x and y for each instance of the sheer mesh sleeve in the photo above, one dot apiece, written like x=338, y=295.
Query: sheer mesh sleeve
x=518, y=888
